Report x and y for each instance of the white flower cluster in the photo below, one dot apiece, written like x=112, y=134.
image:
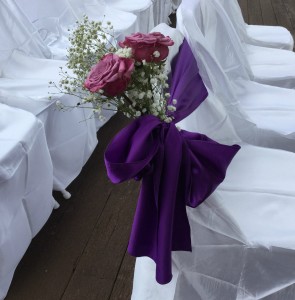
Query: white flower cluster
x=156, y=54
x=147, y=92
x=124, y=52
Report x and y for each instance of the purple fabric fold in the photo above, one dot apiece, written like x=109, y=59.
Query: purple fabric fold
x=177, y=168
x=185, y=82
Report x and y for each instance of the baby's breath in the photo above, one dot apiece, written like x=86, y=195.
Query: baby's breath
x=146, y=92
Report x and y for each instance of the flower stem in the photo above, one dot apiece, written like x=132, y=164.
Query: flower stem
x=127, y=99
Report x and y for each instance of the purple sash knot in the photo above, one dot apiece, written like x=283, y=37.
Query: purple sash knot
x=177, y=168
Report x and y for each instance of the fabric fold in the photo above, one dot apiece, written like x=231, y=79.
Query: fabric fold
x=177, y=168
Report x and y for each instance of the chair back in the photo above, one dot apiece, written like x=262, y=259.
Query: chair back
x=235, y=15
x=18, y=33
x=94, y=9
x=210, y=118
x=190, y=21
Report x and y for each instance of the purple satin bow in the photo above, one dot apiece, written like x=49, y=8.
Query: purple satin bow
x=177, y=168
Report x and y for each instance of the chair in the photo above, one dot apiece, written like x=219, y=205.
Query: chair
x=242, y=234
x=142, y=9
x=123, y=22
x=70, y=135
x=258, y=35
x=264, y=65
x=26, y=180
x=269, y=109
x=54, y=18
x=259, y=56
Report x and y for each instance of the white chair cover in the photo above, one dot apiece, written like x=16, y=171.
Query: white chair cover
x=54, y=18
x=265, y=65
x=162, y=10
x=21, y=32
x=142, y=9
x=242, y=234
x=71, y=135
x=259, y=35
x=279, y=63
x=124, y=22
x=266, y=120
x=26, y=180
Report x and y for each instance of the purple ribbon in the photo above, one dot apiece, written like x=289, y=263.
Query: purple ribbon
x=186, y=84
x=177, y=168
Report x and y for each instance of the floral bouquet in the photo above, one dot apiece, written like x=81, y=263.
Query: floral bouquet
x=128, y=76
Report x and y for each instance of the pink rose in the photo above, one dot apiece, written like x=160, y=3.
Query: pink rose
x=111, y=74
x=150, y=47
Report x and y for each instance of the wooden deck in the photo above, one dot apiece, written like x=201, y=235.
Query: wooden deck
x=270, y=12
x=80, y=254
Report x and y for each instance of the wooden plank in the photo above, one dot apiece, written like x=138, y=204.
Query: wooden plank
x=268, y=14
x=244, y=7
x=290, y=11
x=255, y=14
x=97, y=269
x=282, y=14
x=49, y=264
x=123, y=285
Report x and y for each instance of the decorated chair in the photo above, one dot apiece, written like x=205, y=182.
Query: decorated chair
x=26, y=181
x=123, y=22
x=241, y=235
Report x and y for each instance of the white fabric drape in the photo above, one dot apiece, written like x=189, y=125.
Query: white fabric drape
x=242, y=234
x=162, y=10
x=259, y=35
x=54, y=18
x=262, y=115
x=123, y=22
x=142, y=9
x=265, y=65
x=70, y=135
x=21, y=32
x=26, y=180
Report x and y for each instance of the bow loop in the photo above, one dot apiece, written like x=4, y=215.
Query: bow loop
x=208, y=162
x=130, y=153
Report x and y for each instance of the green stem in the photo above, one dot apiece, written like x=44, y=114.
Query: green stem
x=127, y=99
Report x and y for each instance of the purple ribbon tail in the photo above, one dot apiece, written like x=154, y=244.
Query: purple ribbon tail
x=177, y=168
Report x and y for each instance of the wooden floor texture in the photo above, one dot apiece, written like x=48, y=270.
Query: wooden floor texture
x=80, y=254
